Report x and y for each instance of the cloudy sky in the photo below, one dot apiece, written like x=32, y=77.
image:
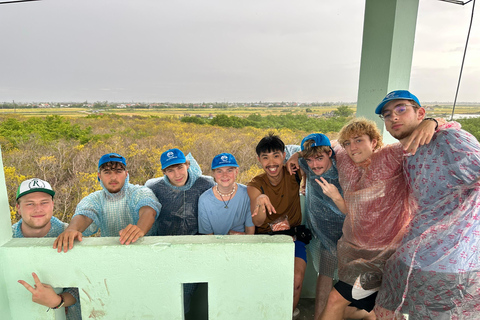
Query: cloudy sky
x=217, y=50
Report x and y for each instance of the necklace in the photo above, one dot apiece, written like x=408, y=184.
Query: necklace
x=229, y=196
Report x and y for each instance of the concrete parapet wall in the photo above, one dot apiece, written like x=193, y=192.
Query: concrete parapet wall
x=249, y=277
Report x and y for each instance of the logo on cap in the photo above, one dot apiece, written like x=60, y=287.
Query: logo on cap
x=35, y=184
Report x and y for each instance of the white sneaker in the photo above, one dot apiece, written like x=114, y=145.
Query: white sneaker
x=296, y=312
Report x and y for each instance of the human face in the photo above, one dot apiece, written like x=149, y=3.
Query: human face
x=401, y=118
x=272, y=163
x=36, y=210
x=177, y=174
x=359, y=148
x=225, y=176
x=320, y=162
x=113, y=179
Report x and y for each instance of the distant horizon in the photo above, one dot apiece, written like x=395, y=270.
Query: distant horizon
x=217, y=102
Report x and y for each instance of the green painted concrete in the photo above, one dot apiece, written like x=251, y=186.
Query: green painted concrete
x=249, y=277
x=387, y=50
x=5, y=235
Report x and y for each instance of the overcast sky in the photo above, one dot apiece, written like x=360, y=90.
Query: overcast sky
x=217, y=50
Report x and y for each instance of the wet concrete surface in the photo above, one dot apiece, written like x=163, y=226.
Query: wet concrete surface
x=307, y=309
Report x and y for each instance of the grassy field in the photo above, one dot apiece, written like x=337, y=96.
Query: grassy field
x=439, y=110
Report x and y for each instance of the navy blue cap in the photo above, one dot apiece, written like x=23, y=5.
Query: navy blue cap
x=171, y=157
x=224, y=160
x=396, y=95
x=319, y=140
x=111, y=157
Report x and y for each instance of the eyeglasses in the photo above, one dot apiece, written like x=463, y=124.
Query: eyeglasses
x=399, y=109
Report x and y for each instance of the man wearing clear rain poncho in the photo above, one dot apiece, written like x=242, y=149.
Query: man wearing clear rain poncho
x=119, y=209
x=324, y=209
x=178, y=192
x=435, y=273
x=376, y=197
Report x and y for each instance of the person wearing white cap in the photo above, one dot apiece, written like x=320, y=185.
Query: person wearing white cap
x=435, y=272
x=35, y=206
x=119, y=209
x=225, y=208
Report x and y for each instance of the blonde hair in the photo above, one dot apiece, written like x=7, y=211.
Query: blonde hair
x=359, y=127
x=309, y=151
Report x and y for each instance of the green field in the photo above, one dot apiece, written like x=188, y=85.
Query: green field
x=434, y=109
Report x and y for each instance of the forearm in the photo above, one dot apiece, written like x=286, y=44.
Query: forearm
x=146, y=218
x=79, y=223
x=69, y=299
x=341, y=205
x=259, y=219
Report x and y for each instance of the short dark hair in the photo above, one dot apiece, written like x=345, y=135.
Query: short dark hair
x=270, y=143
x=112, y=165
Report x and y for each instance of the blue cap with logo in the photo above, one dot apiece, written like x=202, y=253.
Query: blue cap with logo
x=34, y=185
x=111, y=157
x=396, y=95
x=171, y=157
x=319, y=140
x=224, y=160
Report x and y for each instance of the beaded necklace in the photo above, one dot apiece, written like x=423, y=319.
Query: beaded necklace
x=228, y=194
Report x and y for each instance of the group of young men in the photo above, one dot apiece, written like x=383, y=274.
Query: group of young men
x=400, y=224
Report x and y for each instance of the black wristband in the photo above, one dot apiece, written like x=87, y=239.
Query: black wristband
x=433, y=119
x=62, y=302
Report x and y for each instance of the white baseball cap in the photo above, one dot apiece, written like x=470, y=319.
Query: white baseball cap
x=34, y=185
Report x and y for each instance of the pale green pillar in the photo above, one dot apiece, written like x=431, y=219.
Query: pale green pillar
x=387, y=50
x=5, y=235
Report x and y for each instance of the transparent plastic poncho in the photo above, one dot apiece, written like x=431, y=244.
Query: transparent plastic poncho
x=376, y=196
x=323, y=218
x=435, y=273
x=179, y=214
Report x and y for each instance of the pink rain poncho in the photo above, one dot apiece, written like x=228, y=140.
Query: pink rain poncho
x=376, y=196
x=435, y=273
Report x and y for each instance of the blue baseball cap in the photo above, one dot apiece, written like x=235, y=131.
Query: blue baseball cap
x=224, y=160
x=319, y=140
x=171, y=157
x=396, y=95
x=111, y=157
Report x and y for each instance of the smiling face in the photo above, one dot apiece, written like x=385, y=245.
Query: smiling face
x=36, y=210
x=320, y=162
x=272, y=163
x=177, y=174
x=113, y=176
x=225, y=176
x=359, y=148
x=401, y=118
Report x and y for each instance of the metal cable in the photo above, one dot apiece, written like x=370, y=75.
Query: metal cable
x=463, y=60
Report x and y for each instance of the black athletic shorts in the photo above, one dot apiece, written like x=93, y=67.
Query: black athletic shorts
x=345, y=290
